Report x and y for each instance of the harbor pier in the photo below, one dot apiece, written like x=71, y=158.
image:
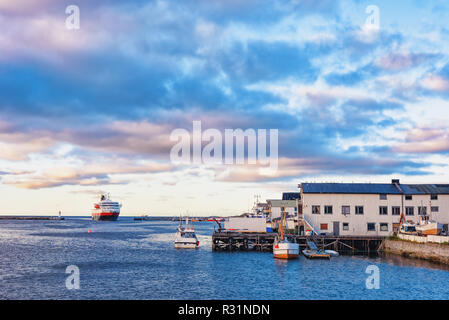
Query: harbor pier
x=240, y=241
x=30, y=218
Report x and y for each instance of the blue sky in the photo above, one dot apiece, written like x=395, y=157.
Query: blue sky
x=91, y=110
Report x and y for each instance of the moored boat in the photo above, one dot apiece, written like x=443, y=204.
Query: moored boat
x=282, y=248
x=313, y=252
x=333, y=253
x=316, y=254
x=428, y=227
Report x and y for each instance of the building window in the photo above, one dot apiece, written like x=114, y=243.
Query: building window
x=327, y=209
x=422, y=211
x=408, y=197
x=359, y=210
x=323, y=226
x=371, y=226
x=395, y=211
x=345, y=209
x=383, y=211
x=316, y=209
x=383, y=226
x=433, y=197
x=435, y=209
x=345, y=226
x=382, y=196
x=409, y=211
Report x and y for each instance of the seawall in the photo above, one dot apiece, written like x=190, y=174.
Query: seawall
x=428, y=251
x=30, y=218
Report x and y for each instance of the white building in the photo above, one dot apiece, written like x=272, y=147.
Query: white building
x=363, y=209
x=277, y=207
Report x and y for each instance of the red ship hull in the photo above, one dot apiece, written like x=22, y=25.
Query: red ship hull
x=105, y=216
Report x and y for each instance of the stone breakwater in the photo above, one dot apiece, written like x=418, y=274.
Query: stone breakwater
x=30, y=218
x=428, y=251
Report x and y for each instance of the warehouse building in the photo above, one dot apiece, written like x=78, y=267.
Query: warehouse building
x=364, y=209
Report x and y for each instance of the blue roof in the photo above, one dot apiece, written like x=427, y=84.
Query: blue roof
x=376, y=188
x=291, y=195
x=425, y=188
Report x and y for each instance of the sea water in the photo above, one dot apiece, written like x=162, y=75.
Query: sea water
x=130, y=259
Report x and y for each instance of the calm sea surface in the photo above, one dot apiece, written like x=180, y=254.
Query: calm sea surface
x=136, y=260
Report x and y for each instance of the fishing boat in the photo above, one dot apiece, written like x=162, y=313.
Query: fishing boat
x=431, y=228
x=428, y=227
x=282, y=248
x=185, y=237
x=425, y=226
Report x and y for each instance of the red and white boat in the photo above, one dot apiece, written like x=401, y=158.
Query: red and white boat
x=105, y=209
x=285, y=250
x=282, y=248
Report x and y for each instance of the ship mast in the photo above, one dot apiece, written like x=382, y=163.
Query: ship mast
x=281, y=225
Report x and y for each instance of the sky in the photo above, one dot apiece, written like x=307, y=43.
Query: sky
x=355, y=97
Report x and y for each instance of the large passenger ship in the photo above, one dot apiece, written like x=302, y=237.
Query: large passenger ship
x=106, y=209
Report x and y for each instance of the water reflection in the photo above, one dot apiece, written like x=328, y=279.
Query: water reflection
x=399, y=260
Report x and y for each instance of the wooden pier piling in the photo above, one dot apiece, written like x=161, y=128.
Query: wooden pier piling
x=239, y=241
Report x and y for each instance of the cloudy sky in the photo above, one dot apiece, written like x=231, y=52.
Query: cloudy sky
x=88, y=110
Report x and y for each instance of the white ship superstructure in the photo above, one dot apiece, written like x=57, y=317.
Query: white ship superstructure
x=106, y=209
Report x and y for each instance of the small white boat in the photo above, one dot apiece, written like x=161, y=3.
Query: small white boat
x=316, y=254
x=333, y=253
x=185, y=237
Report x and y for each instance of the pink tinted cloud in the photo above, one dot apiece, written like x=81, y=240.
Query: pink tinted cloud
x=119, y=137
x=92, y=174
x=425, y=140
x=435, y=83
x=399, y=61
